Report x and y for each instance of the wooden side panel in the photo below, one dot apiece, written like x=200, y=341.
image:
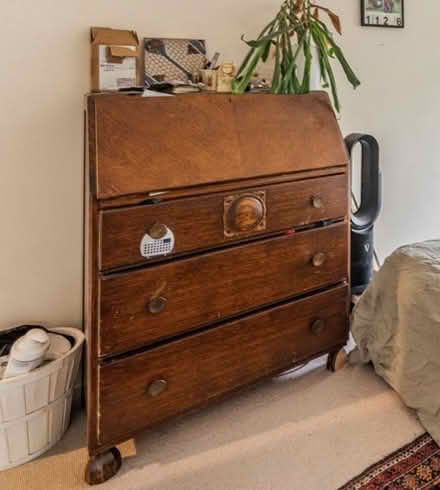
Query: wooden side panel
x=197, y=223
x=90, y=305
x=207, y=288
x=204, y=366
x=147, y=144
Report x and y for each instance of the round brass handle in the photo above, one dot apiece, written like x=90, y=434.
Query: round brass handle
x=317, y=202
x=318, y=259
x=157, y=387
x=158, y=231
x=245, y=214
x=318, y=326
x=157, y=305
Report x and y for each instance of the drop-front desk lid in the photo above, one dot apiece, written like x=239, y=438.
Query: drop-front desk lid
x=140, y=144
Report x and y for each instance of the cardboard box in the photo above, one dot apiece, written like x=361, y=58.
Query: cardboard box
x=115, y=62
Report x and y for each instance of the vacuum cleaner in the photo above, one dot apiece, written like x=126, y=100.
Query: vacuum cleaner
x=363, y=253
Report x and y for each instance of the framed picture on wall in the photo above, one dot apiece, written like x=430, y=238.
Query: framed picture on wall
x=383, y=13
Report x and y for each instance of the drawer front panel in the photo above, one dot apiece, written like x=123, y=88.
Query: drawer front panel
x=184, y=374
x=142, y=306
x=199, y=223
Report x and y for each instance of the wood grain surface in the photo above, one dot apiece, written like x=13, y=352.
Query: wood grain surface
x=197, y=223
x=147, y=144
x=147, y=388
x=206, y=288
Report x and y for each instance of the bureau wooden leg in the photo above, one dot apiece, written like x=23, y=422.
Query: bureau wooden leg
x=336, y=360
x=103, y=466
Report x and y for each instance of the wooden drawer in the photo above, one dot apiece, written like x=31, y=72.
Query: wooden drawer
x=199, y=223
x=203, y=366
x=142, y=306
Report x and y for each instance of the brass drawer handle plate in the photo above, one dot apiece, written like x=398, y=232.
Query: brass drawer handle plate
x=244, y=213
x=319, y=259
x=318, y=327
x=157, y=305
x=157, y=387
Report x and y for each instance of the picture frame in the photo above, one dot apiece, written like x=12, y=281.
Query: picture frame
x=383, y=13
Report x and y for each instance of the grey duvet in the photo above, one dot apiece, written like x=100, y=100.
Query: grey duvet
x=396, y=325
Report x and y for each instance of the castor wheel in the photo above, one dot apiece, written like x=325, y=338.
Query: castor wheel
x=102, y=467
x=336, y=360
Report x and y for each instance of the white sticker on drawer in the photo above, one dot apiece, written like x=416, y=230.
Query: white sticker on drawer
x=152, y=247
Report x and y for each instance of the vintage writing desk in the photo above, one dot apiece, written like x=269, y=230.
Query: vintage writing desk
x=216, y=252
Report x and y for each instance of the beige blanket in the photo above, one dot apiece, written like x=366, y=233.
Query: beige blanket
x=396, y=325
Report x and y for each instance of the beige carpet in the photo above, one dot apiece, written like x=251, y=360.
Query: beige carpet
x=303, y=431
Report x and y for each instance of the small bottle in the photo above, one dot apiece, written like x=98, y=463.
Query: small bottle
x=27, y=353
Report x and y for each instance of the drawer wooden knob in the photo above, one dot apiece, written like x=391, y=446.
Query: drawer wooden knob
x=317, y=202
x=158, y=231
x=157, y=305
x=157, y=387
x=319, y=259
x=318, y=327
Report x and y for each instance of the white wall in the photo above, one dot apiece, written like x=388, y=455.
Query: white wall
x=399, y=103
x=44, y=52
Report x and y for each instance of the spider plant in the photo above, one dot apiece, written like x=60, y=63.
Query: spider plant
x=297, y=30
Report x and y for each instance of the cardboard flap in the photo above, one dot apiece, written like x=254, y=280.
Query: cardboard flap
x=105, y=35
x=122, y=52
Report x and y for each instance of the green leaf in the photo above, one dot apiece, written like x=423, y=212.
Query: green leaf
x=240, y=84
x=276, y=80
x=322, y=70
x=268, y=37
x=290, y=81
x=269, y=26
x=295, y=83
x=327, y=67
x=349, y=73
x=245, y=62
x=266, y=51
x=305, y=87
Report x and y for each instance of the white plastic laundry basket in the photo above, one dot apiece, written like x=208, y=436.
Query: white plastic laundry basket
x=35, y=407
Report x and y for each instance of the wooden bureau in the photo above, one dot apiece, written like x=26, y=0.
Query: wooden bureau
x=216, y=238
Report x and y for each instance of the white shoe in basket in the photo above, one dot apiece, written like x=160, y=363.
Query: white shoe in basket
x=27, y=353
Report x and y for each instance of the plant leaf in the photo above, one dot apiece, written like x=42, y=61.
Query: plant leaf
x=319, y=39
x=336, y=21
x=276, y=79
x=305, y=87
x=258, y=42
x=240, y=84
x=266, y=51
x=245, y=62
x=349, y=73
x=270, y=27
x=322, y=69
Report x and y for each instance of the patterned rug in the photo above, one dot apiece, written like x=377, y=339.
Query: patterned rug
x=413, y=467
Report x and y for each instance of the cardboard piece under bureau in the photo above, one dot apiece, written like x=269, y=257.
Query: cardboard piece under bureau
x=251, y=206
